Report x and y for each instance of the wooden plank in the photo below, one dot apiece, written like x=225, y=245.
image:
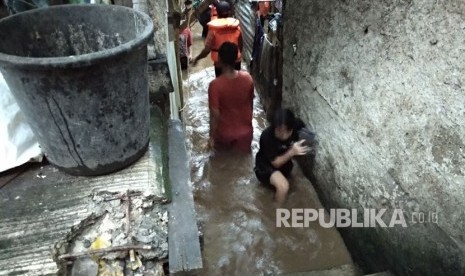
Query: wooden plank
x=183, y=238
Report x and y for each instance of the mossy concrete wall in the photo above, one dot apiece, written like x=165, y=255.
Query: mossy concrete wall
x=160, y=84
x=382, y=83
x=158, y=10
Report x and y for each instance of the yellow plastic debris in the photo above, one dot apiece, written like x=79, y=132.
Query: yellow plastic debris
x=110, y=269
x=100, y=243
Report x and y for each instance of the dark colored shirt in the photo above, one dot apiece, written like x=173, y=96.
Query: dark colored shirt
x=271, y=147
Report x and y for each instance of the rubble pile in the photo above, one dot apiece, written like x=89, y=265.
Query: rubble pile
x=127, y=234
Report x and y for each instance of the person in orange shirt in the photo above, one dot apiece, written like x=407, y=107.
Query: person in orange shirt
x=230, y=99
x=223, y=29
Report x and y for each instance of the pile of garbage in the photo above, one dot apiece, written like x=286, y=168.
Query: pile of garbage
x=127, y=234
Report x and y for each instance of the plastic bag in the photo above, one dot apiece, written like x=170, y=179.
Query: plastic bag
x=310, y=139
x=18, y=144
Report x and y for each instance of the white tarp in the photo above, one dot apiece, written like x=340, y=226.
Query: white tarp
x=18, y=144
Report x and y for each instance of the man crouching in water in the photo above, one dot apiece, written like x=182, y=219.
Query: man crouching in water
x=278, y=145
x=230, y=99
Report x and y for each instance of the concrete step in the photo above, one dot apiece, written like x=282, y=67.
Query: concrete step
x=384, y=273
x=344, y=270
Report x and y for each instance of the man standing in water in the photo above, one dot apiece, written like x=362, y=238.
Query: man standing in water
x=278, y=145
x=230, y=99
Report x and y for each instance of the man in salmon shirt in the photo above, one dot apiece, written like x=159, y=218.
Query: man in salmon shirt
x=230, y=99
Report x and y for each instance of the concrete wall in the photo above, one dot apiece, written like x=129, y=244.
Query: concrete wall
x=382, y=83
x=160, y=84
x=158, y=10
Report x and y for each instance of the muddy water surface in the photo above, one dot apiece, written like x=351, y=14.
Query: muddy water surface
x=236, y=213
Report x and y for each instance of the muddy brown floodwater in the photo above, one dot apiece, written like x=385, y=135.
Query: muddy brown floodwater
x=236, y=213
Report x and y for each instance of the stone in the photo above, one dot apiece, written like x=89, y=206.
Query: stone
x=86, y=243
x=84, y=267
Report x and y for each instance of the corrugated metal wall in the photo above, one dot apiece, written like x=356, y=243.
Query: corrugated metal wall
x=267, y=68
x=244, y=13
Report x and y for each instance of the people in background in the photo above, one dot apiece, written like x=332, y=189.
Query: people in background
x=185, y=36
x=185, y=47
x=206, y=11
x=279, y=143
x=263, y=10
x=204, y=14
x=230, y=99
x=223, y=29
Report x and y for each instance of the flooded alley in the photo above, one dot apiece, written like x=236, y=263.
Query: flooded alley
x=108, y=130
x=236, y=213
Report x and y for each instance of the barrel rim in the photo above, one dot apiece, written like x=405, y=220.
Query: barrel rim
x=78, y=61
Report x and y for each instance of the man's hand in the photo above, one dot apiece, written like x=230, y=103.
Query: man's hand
x=205, y=51
x=193, y=61
x=299, y=149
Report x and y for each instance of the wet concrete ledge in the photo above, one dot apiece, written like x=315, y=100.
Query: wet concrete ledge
x=40, y=207
x=160, y=84
x=184, y=246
